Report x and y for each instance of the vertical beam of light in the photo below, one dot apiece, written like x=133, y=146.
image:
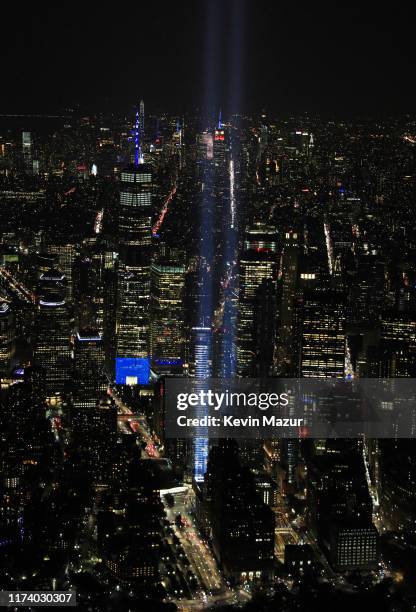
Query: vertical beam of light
x=202, y=333
x=232, y=193
x=237, y=20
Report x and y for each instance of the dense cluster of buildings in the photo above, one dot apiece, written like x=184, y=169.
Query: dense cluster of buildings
x=135, y=249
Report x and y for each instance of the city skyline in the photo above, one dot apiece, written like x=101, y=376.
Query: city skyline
x=208, y=308
x=143, y=250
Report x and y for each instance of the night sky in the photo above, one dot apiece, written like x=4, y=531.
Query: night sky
x=240, y=54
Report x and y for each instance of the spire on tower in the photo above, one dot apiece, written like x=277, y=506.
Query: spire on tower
x=141, y=120
x=220, y=120
x=138, y=156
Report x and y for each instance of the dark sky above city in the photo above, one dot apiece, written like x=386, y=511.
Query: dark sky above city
x=334, y=57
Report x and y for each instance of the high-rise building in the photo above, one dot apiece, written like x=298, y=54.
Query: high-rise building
x=94, y=431
x=286, y=353
x=167, y=310
x=323, y=335
x=133, y=307
x=354, y=547
x=89, y=280
x=135, y=208
x=65, y=253
x=257, y=264
x=88, y=364
x=27, y=151
x=219, y=147
x=52, y=349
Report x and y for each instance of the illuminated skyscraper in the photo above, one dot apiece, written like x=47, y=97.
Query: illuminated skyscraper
x=65, y=253
x=219, y=144
x=89, y=278
x=258, y=263
x=133, y=308
x=167, y=326
x=52, y=350
x=135, y=208
x=88, y=368
x=323, y=336
x=27, y=151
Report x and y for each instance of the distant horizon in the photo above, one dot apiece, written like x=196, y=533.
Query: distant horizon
x=270, y=114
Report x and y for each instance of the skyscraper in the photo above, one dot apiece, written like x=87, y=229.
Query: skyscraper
x=219, y=146
x=65, y=253
x=286, y=354
x=167, y=332
x=323, y=335
x=133, y=308
x=257, y=264
x=27, y=151
x=88, y=367
x=94, y=431
x=52, y=350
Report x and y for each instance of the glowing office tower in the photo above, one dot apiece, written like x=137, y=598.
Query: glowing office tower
x=257, y=264
x=135, y=233
x=52, y=349
x=167, y=310
x=323, y=336
x=88, y=363
x=65, y=253
x=27, y=150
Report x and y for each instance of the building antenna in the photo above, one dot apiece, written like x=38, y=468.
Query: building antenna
x=138, y=156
